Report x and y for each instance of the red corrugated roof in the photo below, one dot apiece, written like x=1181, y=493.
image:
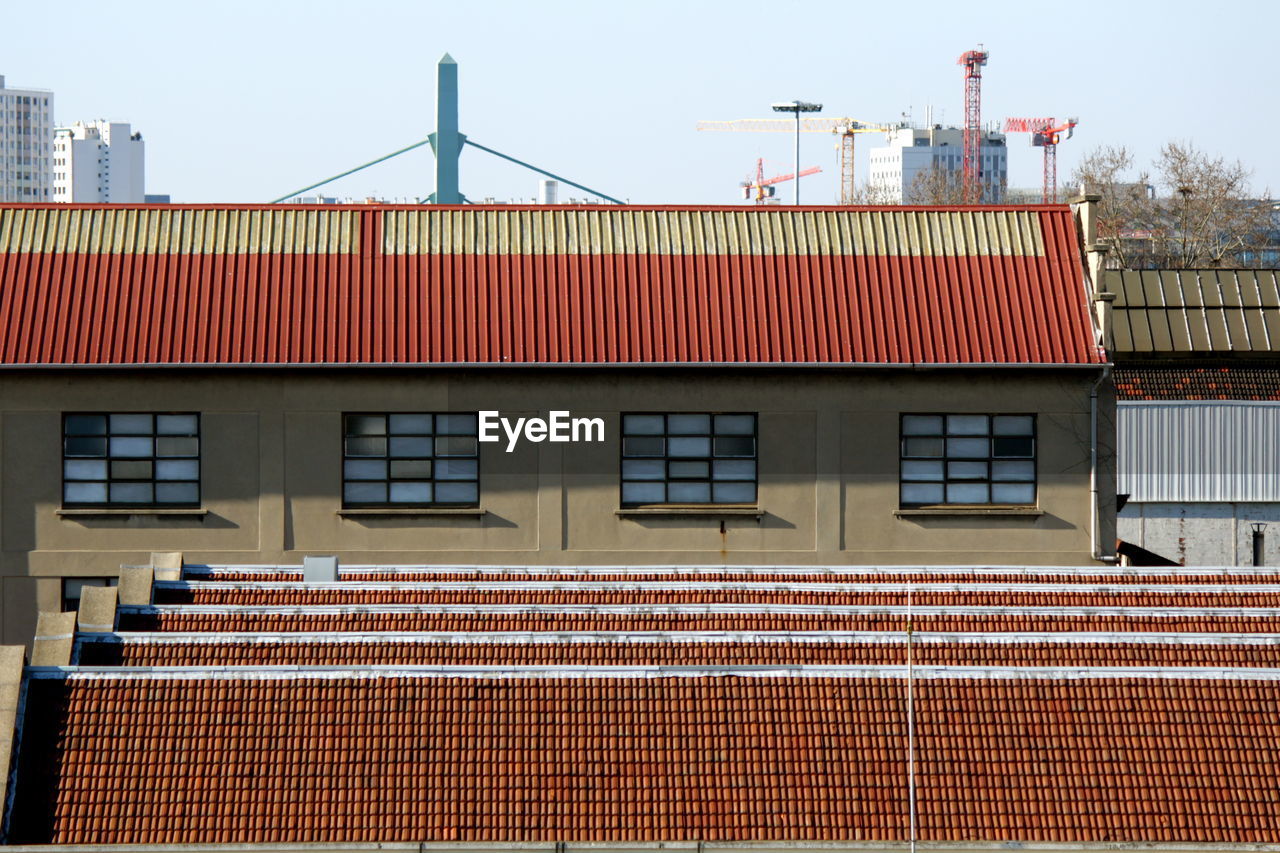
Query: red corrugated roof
x=112, y=285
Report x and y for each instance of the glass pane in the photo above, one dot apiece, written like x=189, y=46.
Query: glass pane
x=643, y=446
x=457, y=469
x=733, y=469
x=922, y=424
x=457, y=445
x=418, y=447
x=364, y=469
x=643, y=493
x=84, y=446
x=366, y=446
x=85, y=469
x=132, y=493
x=366, y=425
x=688, y=424
x=689, y=493
x=85, y=493
x=735, y=424
x=177, y=493
x=176, y=424
x=410, y=493
x=966, y=470
x=683, y=446
x=734, y=493
x=411, y=469
x=364, y=493
x=735, y=445
x=1013, y=425
x=457, y=493
x=410, y=425
x=968, y=447
x=922, y=470
x=131, y=424
x=1013, y=446
x=137, y=470
x=968, y=493
x=922, y=493
x=966, y=424
x=1013, y=470
x=177, y=447
x=643, y=425
x=132, y=446
x=86, y=425
x=1011, y=493
x=922, y=447
x=643, y=469
x=458, y=424
x=689, y=470
x=177, y=469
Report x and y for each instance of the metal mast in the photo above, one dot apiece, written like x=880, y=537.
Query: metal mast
x=973, y=60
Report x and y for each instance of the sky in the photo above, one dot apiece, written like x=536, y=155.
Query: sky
x=247, y=101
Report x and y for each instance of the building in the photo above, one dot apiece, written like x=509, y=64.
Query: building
x=26, y=139
x=901, y=167
x=815, y=386
x=1197, y=355
x=99, y=162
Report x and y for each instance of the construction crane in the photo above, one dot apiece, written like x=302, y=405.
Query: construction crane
x=1045, y=133
x=761, y=188
x=972, y=60
x=846, y=128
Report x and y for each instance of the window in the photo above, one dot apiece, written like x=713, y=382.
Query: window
x=130, y=460
x=73, y=588
x=410, y=460
x=968, y=459
x=688, y=459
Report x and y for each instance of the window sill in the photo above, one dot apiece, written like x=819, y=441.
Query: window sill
x=465, y=511
x=686, y=509
x=1016, y=511
x=90, y=511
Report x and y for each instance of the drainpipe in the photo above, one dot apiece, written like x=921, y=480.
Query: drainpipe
x=1094, y=545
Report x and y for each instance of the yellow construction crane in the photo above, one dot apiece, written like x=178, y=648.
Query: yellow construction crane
x=846, y=128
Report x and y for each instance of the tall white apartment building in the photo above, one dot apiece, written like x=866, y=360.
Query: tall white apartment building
x=912, y=152
x=26, y=144
x=98, y=161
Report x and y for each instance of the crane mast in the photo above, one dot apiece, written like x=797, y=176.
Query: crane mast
x=1045, y=133
x=973, y=60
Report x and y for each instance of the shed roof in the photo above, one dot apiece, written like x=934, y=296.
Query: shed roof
x=1187, y=312
x=511, y=285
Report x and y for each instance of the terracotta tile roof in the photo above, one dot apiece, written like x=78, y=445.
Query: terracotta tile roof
x=1227, y=382
x=512, y=285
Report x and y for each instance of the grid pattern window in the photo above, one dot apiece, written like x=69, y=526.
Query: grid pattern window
x=968, y=459
x=130, y=460
x=688, y=459
x=410, y=459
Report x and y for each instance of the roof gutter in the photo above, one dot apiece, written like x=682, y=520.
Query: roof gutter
x=471, y=365
x=670, y=847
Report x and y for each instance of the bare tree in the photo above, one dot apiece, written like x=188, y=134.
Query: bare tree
x=1192, y=210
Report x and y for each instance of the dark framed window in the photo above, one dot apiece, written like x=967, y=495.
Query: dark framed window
x=130, y=459
x=968, y=459
x=688, y=458
x=410, y=459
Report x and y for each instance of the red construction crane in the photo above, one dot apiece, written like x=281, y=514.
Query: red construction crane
x=761, y=189
x=1045, y=133
x=973, y=60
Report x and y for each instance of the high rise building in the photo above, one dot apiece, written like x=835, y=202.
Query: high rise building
x=901, y=168
x=26, y=139
x=98, y=161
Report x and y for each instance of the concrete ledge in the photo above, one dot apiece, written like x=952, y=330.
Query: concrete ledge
x=55, y=637
x=97, y=613
x=166, y=565
x=136, y=584
x=709, y=511
x=116, y=511
x=1014, y=511
x=475, y=512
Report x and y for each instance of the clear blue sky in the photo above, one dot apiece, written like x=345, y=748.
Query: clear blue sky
x=244, y=101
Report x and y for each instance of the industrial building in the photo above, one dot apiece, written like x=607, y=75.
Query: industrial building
x=99, y=162
x=26, y=139
x=914, y=154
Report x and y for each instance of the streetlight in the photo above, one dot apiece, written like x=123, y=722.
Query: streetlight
x=797, y=107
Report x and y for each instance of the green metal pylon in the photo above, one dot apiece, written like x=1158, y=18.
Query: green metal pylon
x=447, y=142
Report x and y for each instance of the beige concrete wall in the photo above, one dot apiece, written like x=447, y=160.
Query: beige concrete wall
x=271, y=469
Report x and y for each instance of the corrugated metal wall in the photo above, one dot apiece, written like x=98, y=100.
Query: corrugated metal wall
x=1194, y=451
